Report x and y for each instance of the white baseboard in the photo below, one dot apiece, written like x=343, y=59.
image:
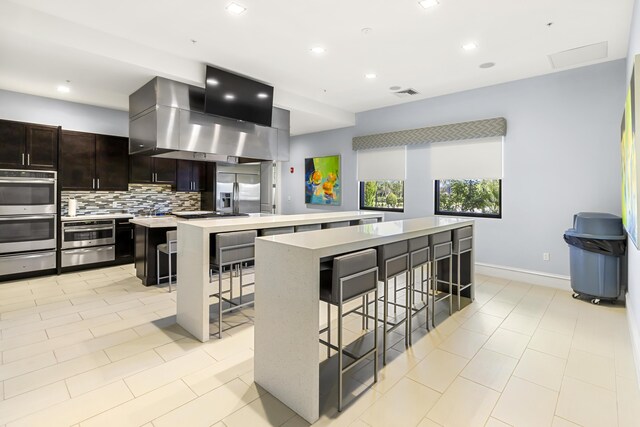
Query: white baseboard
x=634, y=330
x=555, y=281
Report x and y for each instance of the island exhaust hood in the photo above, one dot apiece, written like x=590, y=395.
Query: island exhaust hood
x=167, y=119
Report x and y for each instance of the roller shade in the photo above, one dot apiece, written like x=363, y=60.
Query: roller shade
x=382, y=164
x=468, y=159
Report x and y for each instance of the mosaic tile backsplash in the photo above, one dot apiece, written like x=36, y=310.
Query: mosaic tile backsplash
x=137, y=201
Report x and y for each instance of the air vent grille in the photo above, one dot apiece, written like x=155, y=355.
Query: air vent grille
x=406, y=92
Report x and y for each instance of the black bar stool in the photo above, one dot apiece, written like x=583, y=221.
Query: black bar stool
x=353, y=276
x=419, y=257
x=462, y=243
x=440, y=246
x=393, y=261
x=169, y=248
x=232, y=249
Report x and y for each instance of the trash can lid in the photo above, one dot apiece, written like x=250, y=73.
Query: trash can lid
x=598, y=223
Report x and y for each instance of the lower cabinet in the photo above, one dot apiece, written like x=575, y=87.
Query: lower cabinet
x=124, y=241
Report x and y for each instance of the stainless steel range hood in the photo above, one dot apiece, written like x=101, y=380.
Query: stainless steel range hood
x=167, y=119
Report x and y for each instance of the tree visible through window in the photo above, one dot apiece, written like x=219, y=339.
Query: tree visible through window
x=469, y=197
x=382, y=195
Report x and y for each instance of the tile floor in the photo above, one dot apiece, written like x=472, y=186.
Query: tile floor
x=97, y=348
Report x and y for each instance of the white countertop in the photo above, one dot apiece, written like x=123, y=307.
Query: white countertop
x=96, y=216
x=156, y=221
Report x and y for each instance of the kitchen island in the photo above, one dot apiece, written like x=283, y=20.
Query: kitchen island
x=286, y=362
x=193, y=288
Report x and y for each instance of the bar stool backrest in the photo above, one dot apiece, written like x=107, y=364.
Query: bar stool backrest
x=389, y=252
x=358, y=274
x=172, y=241
x=237, y=246
x=439, y=247
x=275, y=231
x=419, y=250
x=462, y=240
x=339, y=224
x=308, y=227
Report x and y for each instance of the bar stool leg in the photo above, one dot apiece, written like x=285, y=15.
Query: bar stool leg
x=434, y=290
x=384, y=321
x=157, y=267
x=340, y=354
x=451, y=285
x=459, y=280
x=240, y=273
x=395, y=293
x=408, y=307
x=375, y=335
x=328, y=329
x=220, y=301
x=170, y=269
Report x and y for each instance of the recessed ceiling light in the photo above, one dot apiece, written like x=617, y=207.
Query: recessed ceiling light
x=469, y=46
x=318, y=50
x=262, y=95
x=64, y=89
x=428, y=3
x=366, y=30
x=370, y=75
x=230, y=97
x=487, y=65
x=235, y=9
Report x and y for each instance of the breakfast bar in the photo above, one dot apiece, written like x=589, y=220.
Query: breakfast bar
x=287, y=300
x=194, y=257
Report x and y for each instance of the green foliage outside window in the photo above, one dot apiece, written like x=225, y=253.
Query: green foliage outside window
x=382, y=195
x=480, y=197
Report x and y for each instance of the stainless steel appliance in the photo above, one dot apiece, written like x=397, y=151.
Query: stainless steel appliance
x=238, y=193
x=268, y=187
x=87, y=242
x=27, y=221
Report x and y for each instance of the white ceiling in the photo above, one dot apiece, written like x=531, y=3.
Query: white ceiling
x=110, y=48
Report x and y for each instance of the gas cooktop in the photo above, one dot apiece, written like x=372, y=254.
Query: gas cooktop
x=199, y=215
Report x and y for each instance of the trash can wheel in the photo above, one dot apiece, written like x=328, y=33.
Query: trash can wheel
x=576, y=295
x=595, y=301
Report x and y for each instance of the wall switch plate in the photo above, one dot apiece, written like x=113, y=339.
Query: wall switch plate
x=288, y=198
x=545, y=256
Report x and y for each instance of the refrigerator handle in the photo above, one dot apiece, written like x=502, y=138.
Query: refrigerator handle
x=236, y=197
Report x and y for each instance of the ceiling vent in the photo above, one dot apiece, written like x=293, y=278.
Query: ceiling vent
x=405, y=93
x=579, y=55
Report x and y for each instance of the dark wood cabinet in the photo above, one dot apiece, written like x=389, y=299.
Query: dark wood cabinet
x=124, y=241
x=152, y=170
x=112, y=163
x=94, y=162
x=191, y=175
x=28, y=146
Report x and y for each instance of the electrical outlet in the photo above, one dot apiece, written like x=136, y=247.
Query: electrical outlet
x=288, y=198
x=545, y=256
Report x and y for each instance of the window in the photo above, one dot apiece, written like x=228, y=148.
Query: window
x=382, y=195
x=469, y=197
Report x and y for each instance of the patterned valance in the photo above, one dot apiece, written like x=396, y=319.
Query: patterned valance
x=452, y=132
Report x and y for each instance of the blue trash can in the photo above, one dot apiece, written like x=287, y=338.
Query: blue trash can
x=597, y=241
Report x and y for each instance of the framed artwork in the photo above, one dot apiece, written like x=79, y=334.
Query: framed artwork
x=323, y=184
x=628, y=149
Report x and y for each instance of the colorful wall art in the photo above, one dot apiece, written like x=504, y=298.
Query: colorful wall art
x=628, y=148
x=322, y=181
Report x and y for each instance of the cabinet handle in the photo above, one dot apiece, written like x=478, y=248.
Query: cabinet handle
x=98, y=183
x=93, y=183
x=22, y=159
x=132, y=234
x=28, y=159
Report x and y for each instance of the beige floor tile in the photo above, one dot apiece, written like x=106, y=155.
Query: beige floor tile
x=601, y=344
x=211, y=407
x=497, y=308
x=265, y=411
x=519, y=323
x=122, y=324
x=523, y=403
x=26, y=365
x=220, y=373
x=541, y=368
x=28, y=403
x=109, y=308
x=483, y=323
x=465, y=403
x=112, y=372
x=40, y=326
x=592, y=369
x=72, y=309
x=405, y=404
x=239, y=342
x=66, y=297
x=529, y=308
x=559, y=322
x=138, y=345
x=398, y=364
x=78, y=409
x=561, y=422
x=45, y=346
x=586, y=404
x=19, y=321
x=551, y=343
x=145, y=408
x=54, y=373
x=144, y=309
x=464, y=343
x=9, y=307
x=179, y=348
x=424, y=342
x=80, y=325
x=493, y=422
x=153, y=378
x=625, y=364
x=490, y=369
x=22, y=340
x=438, y=370
x=94, y=344
x=426, y=422
x=508, y=343
x=628, y=395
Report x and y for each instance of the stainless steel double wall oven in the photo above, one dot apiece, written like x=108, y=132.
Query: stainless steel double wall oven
x=28, y=201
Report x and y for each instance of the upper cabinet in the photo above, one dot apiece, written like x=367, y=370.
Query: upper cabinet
x=28, y=146
x=191, y=175
x=94, y=162
x=152, y=170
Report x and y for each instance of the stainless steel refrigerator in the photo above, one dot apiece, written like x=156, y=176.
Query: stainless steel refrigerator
x=238, y=192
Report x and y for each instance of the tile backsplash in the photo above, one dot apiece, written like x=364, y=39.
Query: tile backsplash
x=138, y=200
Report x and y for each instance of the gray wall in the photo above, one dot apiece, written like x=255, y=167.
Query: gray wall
x=561, y=156
x=70, y=115
x=633, y=300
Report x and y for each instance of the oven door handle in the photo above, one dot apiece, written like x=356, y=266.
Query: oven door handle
x=30, y=217
x=79, y=229
x=28, y=181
